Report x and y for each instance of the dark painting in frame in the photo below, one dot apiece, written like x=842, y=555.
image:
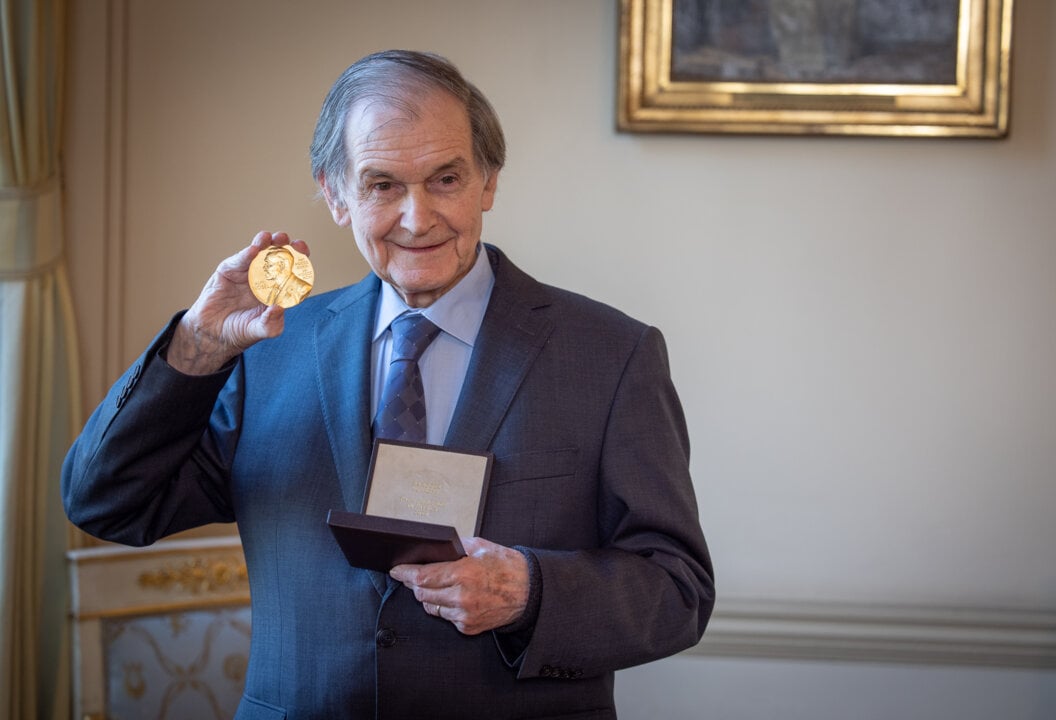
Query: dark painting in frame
x=935, y=68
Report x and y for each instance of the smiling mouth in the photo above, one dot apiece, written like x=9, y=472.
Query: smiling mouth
x=421, y=248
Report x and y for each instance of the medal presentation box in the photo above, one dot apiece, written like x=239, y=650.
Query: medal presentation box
x=420, y=499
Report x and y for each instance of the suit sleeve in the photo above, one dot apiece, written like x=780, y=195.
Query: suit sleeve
x=152, y=458
x=647, y=591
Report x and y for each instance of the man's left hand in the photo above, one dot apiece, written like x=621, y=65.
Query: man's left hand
x=482, y=591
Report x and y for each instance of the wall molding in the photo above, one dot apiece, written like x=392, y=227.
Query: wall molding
x=115, y=190
x=740, y=627
x=866, y=632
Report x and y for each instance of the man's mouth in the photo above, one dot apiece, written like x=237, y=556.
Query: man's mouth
x=421, y=248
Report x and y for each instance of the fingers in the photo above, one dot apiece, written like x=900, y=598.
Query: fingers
x=433, y=575
x=271, y=322
x=235, y=269
x=433, y=586
x=301, y=246
x=265, y=239
x=485, y=590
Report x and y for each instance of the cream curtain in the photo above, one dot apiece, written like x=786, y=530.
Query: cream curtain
x=38, y=384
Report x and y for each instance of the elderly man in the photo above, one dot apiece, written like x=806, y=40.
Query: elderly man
x=590, y=555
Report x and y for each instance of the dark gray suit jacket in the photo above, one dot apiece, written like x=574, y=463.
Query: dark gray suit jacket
x=591, y=473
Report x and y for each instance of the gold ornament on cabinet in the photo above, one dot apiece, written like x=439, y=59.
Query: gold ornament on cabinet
x=197, y=576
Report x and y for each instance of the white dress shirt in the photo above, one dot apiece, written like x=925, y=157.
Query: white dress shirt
x=458, y=313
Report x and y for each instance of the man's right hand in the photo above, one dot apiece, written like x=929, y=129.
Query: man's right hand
x=227, y=318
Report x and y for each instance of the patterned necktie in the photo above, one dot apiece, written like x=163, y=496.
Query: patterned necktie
x=401, y=411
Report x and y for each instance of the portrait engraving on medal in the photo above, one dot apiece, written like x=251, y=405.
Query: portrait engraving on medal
x=281, y=276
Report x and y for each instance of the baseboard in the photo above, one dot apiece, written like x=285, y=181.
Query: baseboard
x=863, y=632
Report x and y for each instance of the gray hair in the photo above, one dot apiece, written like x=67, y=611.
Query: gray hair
x=392, y=77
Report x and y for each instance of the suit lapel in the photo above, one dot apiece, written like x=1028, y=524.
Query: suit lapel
x=342, y=347
x=510, y=338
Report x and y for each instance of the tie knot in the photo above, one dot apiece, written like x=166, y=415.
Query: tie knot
x=411, y=335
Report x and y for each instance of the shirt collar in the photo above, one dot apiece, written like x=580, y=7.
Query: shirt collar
x=458, y=312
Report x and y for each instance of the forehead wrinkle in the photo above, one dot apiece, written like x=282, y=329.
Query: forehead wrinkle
x=396, y=142
x=376, y=155
x=371, y=135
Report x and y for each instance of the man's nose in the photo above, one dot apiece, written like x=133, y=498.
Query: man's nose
x=418, y=214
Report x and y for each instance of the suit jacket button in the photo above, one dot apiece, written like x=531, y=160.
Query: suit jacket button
x=386, y=637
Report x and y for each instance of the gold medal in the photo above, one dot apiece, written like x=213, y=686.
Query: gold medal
x=279, y=275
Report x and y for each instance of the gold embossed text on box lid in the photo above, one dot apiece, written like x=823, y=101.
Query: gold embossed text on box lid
x=426, y=483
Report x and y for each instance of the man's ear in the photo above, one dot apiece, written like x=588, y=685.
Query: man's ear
x=338, y=208
x=491, y=184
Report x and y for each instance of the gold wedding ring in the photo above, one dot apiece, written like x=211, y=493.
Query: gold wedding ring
x=279, y=275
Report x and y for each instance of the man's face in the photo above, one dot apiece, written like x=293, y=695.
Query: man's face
x=415, y=196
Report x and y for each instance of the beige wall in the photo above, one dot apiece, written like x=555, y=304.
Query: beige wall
x=861, y=329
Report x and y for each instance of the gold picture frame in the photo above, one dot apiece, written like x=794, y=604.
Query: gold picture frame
x=668, y=84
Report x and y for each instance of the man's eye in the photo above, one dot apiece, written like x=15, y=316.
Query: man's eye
x=383, y=186
x=448, y=179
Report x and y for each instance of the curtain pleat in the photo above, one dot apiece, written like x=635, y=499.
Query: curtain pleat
x=39, y=385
